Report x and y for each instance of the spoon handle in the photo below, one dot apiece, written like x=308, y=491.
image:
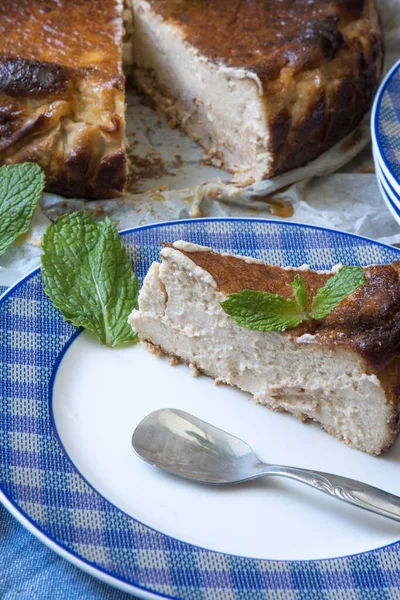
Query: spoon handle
x=349, y=490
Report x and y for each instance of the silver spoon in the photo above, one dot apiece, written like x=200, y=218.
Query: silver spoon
x=184, y=445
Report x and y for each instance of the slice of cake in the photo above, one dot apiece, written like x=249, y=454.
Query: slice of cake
x=342, y=371
x=62, y=93
x=263, y=85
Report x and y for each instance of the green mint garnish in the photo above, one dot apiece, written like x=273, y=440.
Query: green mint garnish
x=21, y=187
x=263, y=311
x=336, y=289
x=88, y=276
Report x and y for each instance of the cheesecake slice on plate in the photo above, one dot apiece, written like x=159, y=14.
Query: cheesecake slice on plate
x=342, y=371
x=62, y=93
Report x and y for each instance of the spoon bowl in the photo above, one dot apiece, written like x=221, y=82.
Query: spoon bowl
x=182, y=444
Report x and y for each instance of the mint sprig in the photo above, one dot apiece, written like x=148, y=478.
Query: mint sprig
x=88, y=276
x=21, y=187
x=262, y=311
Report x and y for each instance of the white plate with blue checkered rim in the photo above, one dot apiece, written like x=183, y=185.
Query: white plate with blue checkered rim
x=385, y=126
x=45, y=487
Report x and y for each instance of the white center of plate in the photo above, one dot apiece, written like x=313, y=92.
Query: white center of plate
x=101, y=394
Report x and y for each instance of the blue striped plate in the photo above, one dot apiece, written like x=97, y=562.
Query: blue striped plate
x=385, y=126
x=388, y=193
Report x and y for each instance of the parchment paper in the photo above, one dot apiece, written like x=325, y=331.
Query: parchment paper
x=171, y=180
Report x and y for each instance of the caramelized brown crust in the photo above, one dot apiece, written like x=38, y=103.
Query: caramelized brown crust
x=319, y=62
x=367, y=321
x=62, y=93
x=19, y=76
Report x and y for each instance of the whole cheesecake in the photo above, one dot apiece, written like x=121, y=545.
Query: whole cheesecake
x=263, y=85
x=62, y=93
x=341, y=371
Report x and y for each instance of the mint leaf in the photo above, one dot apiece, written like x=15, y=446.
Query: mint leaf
x=336, y=289
x=88, y=276
x=300, y=292
x=262, y=311
x=21, y=187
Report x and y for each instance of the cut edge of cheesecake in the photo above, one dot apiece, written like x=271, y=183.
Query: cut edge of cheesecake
x=256, y=119
x=342, y=372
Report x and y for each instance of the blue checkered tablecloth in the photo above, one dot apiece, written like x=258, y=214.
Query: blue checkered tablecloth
x=31, y=571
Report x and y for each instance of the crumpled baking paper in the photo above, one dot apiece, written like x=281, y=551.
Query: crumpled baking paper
x=170, y=179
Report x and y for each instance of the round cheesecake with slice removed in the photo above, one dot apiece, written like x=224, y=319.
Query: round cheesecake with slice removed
x=342, y=371
x=263, y=85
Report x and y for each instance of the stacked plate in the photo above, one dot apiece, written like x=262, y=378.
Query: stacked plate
x=385, y=130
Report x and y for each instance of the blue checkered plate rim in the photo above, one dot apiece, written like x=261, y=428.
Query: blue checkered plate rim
x=385, y=125
x=42, y=488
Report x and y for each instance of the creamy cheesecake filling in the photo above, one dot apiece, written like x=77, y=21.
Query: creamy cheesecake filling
x=179, y=311
x=127, y=37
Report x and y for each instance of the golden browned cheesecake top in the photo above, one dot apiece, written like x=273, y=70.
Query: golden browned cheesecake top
x=68, y=33
x=264, y=35
x=367, y=321
x=48, y=45
x=62, y=93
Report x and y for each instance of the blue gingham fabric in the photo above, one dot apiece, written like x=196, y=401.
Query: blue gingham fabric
x=387, y=123
x=37, y=478
x=31, y=571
